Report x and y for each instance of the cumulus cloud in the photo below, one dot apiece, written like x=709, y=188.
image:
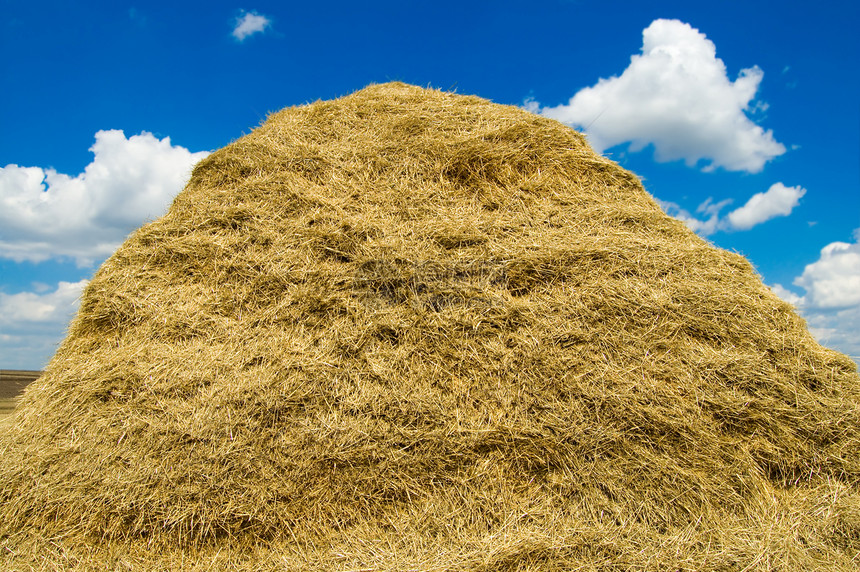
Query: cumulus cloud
x=51, y=307
x=248, y=24
x=676, y=96
x=706, y=226
x=838, y=330
x=831, y=304
x=778, y=200
x=833, y=281
x=787, y=295
x=32, y=324
x=45, y=214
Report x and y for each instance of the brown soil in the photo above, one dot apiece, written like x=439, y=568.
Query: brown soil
x=13, y=382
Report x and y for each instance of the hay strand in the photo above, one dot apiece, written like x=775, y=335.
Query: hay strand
x=414, y=330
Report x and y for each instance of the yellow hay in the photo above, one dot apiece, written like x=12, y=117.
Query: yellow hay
x=412, y=330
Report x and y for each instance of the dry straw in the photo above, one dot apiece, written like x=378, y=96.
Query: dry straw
x=412, y=330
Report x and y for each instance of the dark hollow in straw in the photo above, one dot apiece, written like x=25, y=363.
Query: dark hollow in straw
x=413, y=330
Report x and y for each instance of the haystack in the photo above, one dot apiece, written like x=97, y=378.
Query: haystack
x=413, y=330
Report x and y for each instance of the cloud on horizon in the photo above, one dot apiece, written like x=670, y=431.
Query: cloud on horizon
x=833, y=281
x=32, y=323
x=675, y=95
x=831, y=303
x=45, y=214
x=249, y=23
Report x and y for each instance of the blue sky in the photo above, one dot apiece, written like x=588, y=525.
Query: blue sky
x=742, y=118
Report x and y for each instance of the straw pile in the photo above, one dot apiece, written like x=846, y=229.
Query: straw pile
x=411, y=330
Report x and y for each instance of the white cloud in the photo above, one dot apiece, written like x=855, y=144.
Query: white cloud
x=839, y=330
x=40, y=307
x=778, y=200
x=677, y=96
x=705, y=227
x=32, y=324
x=45, y=214
x=696, y=225
x=833, y=281
x=831, y=305
x=787, y=295
x=248, y=24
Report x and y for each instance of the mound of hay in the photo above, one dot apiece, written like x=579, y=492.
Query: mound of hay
x=412, y=330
